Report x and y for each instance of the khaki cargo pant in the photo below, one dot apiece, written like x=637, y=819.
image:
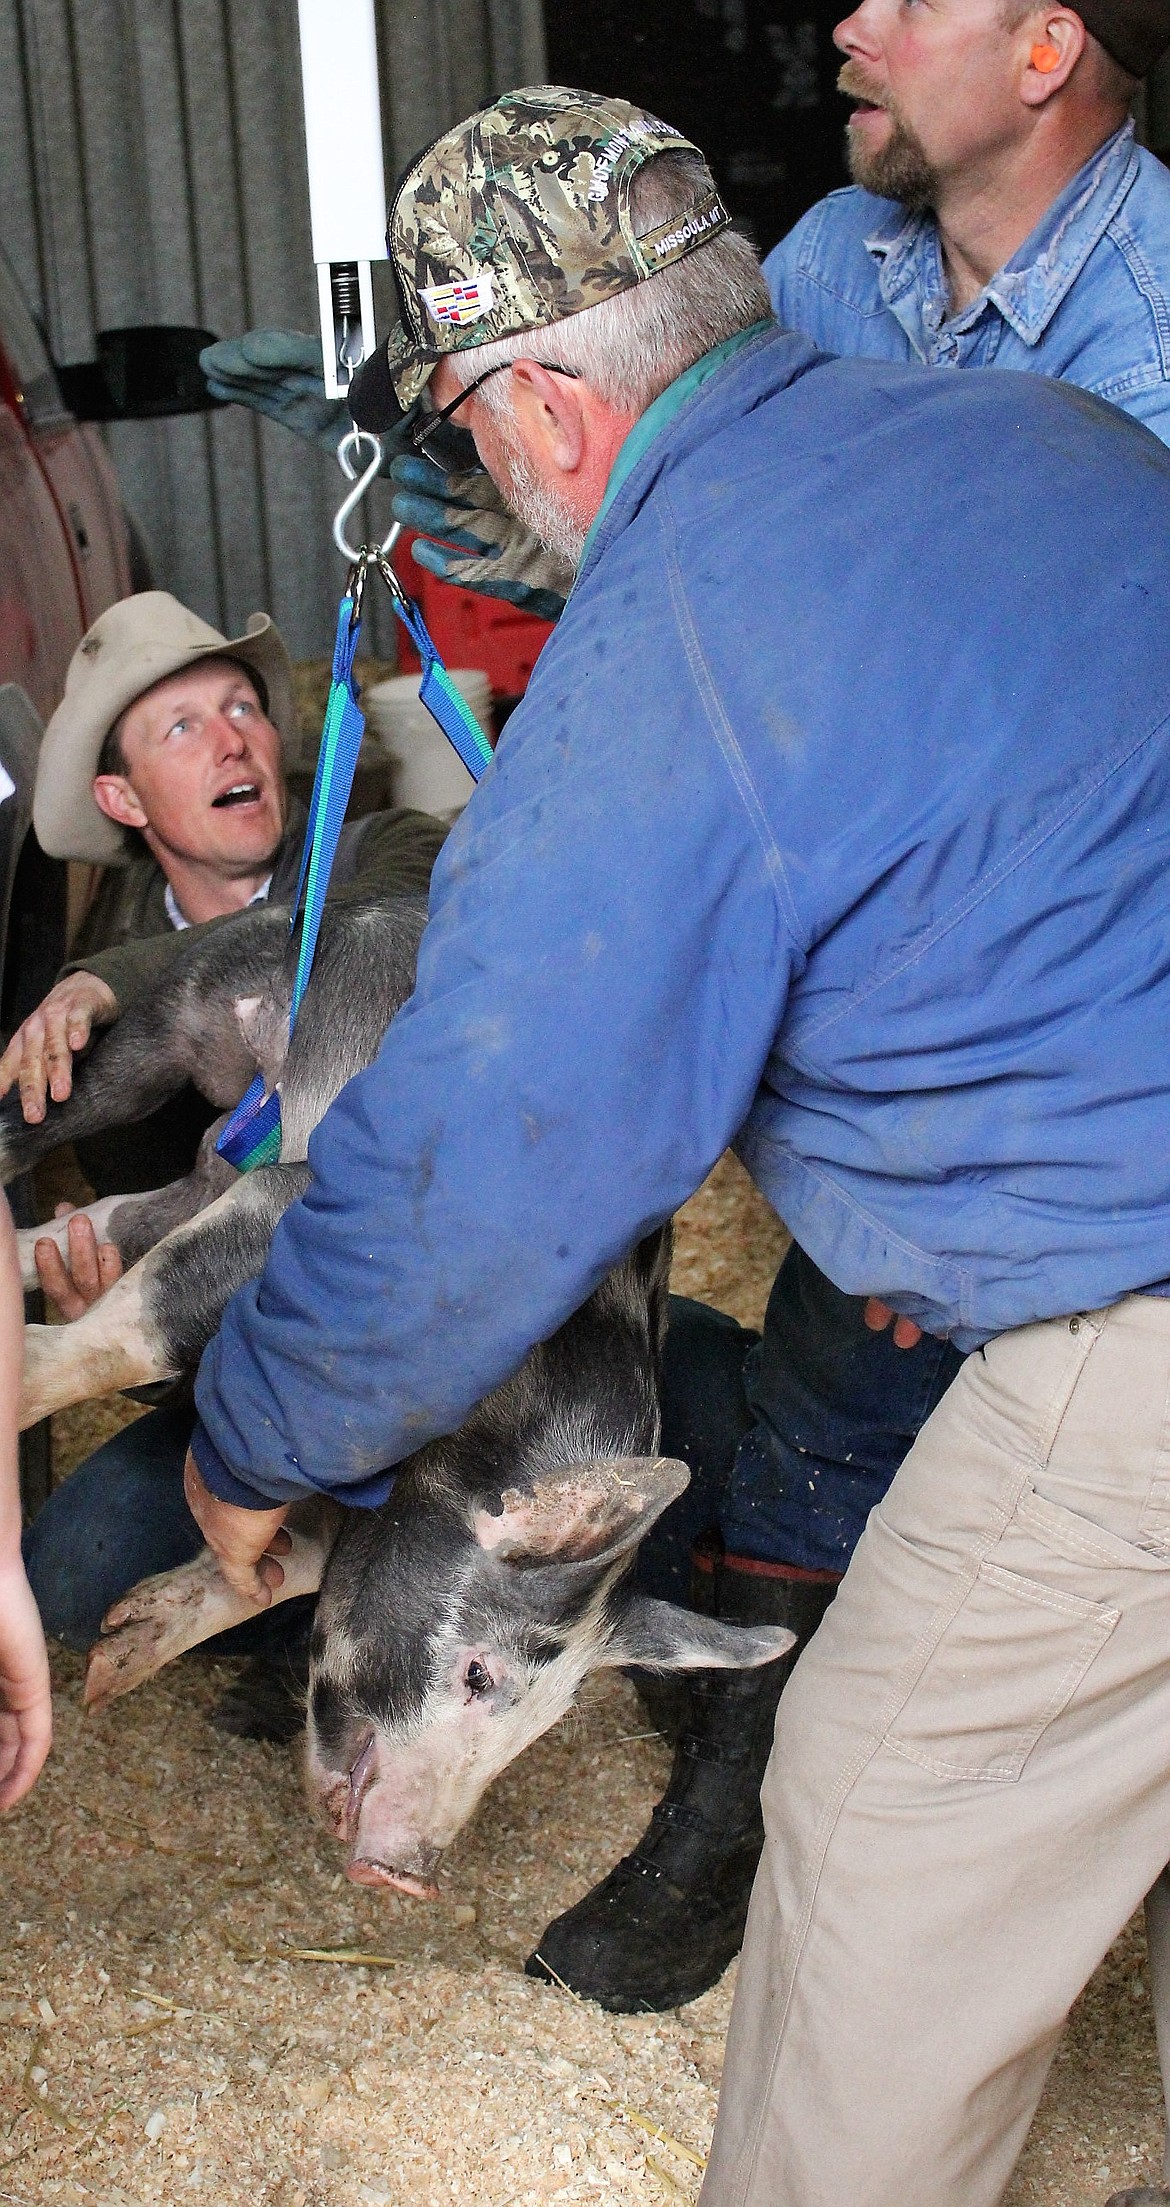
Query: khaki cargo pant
x=970, y=1787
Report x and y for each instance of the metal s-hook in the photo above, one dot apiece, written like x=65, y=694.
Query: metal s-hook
x=348, y=454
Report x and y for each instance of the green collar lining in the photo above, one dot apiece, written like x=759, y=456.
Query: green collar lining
x=657, y=417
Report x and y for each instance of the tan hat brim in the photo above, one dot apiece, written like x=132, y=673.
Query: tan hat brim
x=67, y=821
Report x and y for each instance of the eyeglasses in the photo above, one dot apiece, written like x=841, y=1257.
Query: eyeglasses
x=453, y=449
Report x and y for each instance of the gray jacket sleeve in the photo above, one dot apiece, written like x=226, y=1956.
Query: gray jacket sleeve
x=386, y=854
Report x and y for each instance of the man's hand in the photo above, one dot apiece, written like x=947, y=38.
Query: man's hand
x=483, y=546
x=26, y=1709
x=92, y=1265
x=246, y=1543
x=877, y=1317
x=278, y=373
x=40, y=1054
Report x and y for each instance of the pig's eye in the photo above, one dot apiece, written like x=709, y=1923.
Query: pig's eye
x=477, y=1679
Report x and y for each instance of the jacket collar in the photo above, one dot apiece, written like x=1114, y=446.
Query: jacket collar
x=1030, y=287
x=661, y=413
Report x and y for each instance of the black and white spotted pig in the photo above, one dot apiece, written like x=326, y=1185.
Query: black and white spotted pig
x=457, y=1621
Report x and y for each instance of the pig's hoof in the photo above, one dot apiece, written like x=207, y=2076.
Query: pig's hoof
x=115, y=1666
x=123, y=1659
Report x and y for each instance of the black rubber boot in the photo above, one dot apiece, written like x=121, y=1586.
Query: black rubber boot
x=665, y=1699
x=267, y=1700
x=663, y=1926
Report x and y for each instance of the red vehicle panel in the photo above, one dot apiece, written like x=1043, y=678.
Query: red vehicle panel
x=64, y=546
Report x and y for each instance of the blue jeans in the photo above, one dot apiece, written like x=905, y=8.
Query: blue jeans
x=121, y=1517
x=792, y=1437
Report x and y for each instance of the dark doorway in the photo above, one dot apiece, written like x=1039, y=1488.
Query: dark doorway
x=753, y=82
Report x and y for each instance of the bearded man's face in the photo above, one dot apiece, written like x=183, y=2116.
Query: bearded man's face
x=937, y=93
x=550, y=518
x=893, y=165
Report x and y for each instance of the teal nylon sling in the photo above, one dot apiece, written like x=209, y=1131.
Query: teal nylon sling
x=252, y=1135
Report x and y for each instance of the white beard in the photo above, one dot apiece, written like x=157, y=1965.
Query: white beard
x=548, y=517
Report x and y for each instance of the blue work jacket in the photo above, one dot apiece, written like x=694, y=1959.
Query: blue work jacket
x=835, y=823
x=1086, y=297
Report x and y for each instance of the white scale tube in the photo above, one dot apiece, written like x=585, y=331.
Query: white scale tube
x=347, y=189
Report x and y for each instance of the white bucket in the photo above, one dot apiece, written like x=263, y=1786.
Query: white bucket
x=428, y=772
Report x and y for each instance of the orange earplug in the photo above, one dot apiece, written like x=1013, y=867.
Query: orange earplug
x=1045, y=58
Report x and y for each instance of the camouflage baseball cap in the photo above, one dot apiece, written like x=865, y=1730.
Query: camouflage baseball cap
x=515, y=219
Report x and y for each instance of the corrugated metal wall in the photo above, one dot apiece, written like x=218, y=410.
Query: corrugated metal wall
x=152, y=169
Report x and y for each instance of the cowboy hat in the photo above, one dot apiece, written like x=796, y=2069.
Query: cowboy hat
x=134, y=644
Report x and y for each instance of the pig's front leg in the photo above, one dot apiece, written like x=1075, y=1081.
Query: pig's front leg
x=157, y=1319
x=114, y=1344
x=56, y=1230
x=136, y=1223
x=165, y=1616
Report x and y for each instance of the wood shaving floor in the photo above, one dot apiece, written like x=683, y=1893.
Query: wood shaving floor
x=162, y=2040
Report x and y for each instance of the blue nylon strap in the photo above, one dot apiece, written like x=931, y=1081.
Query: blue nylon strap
x=440, y=696
x=336, y=761
x=252, y=1134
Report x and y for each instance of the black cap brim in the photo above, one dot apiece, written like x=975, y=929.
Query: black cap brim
x=371, y=398
x=1135, y=32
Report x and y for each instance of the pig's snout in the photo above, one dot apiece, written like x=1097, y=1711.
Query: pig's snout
x=413, y=1864
x=417, y=1880
x=399, y=1859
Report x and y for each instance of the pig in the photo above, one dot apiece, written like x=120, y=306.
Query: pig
x=455, y=1623
x=221, y=1015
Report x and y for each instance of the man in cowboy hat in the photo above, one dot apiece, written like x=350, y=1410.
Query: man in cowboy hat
x=164, y=763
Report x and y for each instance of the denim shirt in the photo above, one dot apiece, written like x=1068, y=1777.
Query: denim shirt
x=1085, y=299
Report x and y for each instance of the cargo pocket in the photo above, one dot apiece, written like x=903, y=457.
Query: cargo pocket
x=1006, y=1665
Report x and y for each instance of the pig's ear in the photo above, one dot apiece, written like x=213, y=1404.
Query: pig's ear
x=586, y=1513
x=663, y=1638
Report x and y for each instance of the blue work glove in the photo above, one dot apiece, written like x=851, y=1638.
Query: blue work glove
x=278, y=373
x=482, y=545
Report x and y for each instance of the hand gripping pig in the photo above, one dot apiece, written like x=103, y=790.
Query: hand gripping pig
x=457, y=1621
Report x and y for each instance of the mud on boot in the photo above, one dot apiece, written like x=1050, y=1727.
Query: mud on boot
x=665, y=1923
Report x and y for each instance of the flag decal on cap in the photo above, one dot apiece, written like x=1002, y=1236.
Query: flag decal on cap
x=458, y=303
